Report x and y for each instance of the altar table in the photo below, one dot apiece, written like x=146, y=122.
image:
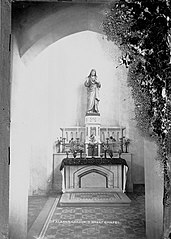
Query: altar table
x=85, y=173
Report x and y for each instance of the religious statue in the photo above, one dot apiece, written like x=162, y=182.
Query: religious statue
x=93, y=86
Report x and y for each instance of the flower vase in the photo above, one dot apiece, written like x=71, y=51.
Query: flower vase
x=81, y=154
x=126, y=148
x=92, y=150
x=75, y=154
x=111, y=154
x=105, y=154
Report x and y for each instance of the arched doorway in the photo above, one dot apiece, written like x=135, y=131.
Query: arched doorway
x=40, y=26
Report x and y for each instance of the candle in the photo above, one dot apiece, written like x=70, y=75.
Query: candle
x=64, y=133
x=77, y=132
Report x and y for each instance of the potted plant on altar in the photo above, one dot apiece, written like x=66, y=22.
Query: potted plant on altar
x=109, y=147
x=92, y=144
x=76, y=147
x=73, y=147
x=110, y=152
x=80, y=148
x=105, y=148
x=126, y=143
x=75, y=154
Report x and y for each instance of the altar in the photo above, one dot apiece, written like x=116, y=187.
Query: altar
x=93, y=170
x=91, y=181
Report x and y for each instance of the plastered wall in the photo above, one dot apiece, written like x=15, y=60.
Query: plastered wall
x=52, y=92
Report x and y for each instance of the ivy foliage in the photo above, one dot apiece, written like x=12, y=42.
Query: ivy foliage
x=142, y=30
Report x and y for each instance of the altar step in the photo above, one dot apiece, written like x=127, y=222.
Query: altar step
x=94, y=197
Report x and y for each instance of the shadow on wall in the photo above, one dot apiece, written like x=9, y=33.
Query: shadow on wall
x=137, y=173
x=55, y=181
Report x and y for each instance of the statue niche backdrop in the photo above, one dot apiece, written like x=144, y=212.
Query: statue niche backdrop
x=93, y=165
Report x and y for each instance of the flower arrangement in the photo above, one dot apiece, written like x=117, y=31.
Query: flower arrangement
x=80, y=148
x=92, y=139
x=92, y=144
x=126, y=143
x=76, y=147
x=105, y=148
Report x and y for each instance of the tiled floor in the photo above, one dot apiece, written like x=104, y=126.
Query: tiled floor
x=99, y=222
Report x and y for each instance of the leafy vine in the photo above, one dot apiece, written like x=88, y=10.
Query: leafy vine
x=142, y=30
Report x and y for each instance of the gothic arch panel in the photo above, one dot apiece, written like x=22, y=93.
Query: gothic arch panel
x=77, y=175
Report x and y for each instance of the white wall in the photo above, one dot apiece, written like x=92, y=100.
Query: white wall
x=20, y=148
x=51, y=95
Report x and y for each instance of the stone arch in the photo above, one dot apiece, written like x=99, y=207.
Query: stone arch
x=35, y=34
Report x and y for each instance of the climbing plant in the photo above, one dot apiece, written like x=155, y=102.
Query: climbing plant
x=142, y=30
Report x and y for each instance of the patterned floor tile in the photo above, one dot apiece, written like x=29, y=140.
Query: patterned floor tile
x=98, y=222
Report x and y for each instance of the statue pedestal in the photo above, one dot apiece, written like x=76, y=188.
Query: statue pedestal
x=92, y=127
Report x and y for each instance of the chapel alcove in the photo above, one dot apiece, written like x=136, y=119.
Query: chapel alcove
x=39, y=106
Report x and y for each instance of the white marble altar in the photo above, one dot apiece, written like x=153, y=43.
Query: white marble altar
x=57, y=177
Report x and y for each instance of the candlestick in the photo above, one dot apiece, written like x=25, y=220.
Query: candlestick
x=63, y=145
x=107, y=140
x=107, y=132
x=63, y=133
x=77, y=140
x=77, y=132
